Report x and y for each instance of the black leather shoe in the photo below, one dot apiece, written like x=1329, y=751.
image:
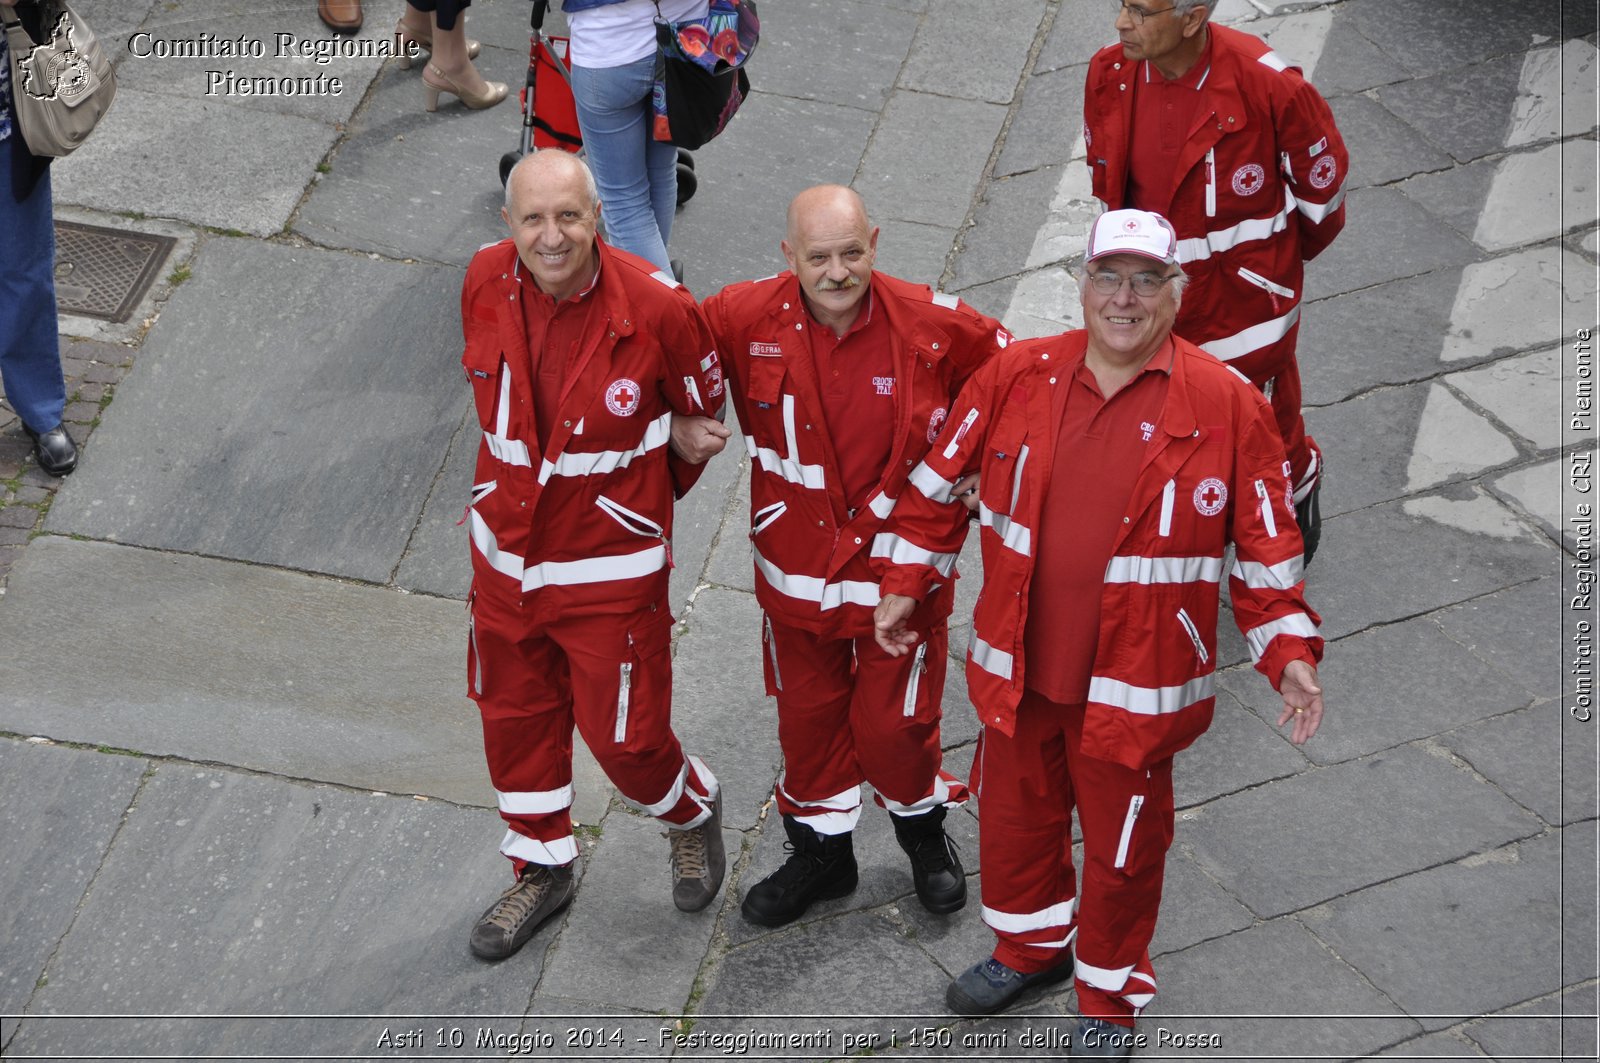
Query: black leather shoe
x=935, y=868
x=55, y=451
x=820, y=867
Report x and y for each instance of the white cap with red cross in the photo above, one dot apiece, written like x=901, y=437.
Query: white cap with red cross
x=1133, y=232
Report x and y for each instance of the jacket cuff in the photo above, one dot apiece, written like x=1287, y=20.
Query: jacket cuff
x=1283, y=650
x=906, y=582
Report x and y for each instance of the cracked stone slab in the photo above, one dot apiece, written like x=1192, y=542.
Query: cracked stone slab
x=250, y=184
x=1081, y=28
x=994, y=299
x=1537, y=195
x=899, y=152
x=1445, y=1047
x=1410, y=31
x=913, y=250
x=1437, y=551
x=1240, y=750
x=281, y=879
x=1048, y=123
x=1466, y=938
x=240, y=434
x=1343, y=839
x=1523, y=393
x=732, y=564
x=653, y=951
x=1383, y=689
x=1538, y=491
x=855, y=68
x=1557, y=95
x=1542, y=757
x=1350, y=62
x=438, y=557
x=1272, y=972
x=1390, y=150
x=61, y=812
x=950, y=59
x=1517, y=302
x=1464, y=112
x=1008, y=220
x=1560, y=1026
x=1393, y=239
x=1517, y=631
x=237, y=664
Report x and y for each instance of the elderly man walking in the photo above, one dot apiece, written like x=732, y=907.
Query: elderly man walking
x=579, y=355
x=842, y=376
x=1114, y=466
x=1210, y=128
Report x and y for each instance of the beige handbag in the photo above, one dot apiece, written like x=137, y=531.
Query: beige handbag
x=60, y=87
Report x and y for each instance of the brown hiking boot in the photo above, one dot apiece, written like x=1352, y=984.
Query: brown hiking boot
x=510, y=921
x=698, y=861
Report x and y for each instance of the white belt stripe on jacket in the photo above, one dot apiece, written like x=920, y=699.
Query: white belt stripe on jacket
x=1014, y=534
x=1315, y=212
x=994, y=661
x=903, y=552
x=1151, y=701
x=564, y=573
x=1196, y=248
x=1021, y=923
x=600, y=462
x=930, y=483
x=1279, y=577
x=1130, y=568
x=510, y=451
x=535, y=802
x=532, y=850
x=1253, y=338
x=1261, y=637
x=791, y=470
x=812, y=589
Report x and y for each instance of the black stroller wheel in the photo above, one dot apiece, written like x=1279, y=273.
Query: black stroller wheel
x=685, y=158
x=507, y=161
x=687, y=183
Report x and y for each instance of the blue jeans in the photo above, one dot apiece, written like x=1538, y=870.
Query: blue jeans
x=30, y=352
x=637, y=176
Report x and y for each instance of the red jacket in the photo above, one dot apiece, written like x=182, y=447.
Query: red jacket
x=1260, y=189
x=589, y=520
x=817, y=564
x=1214, y=474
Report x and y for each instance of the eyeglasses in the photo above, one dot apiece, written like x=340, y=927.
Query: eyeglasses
x=1139, y=14
x=1109, y=282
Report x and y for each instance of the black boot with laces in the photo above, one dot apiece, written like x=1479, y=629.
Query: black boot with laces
x=935, y=868
x=820, y=867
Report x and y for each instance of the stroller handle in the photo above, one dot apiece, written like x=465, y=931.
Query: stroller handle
x=540, y=9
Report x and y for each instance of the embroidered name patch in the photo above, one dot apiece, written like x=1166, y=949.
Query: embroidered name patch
x=765, y=350
x=883, y=385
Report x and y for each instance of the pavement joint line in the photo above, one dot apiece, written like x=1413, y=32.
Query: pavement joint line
x=1526, y=448
x=427, y=499
x=979, y=196
x=1352, y=968
x=1529, y=521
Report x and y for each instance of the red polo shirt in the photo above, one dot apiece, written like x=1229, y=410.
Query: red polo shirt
x=1100, y=447
x=555, y=333
x=1164, y=114
x=856, y=382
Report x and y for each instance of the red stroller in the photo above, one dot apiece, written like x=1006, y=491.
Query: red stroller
x=549, y=115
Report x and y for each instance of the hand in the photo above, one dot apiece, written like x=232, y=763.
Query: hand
x=1302, y=700
x=966, y=490
x=694, y=439
x=889, y=624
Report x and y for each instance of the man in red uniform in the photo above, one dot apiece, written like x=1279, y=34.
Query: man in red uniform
x=842, y=377
x=578, y=355
x=1210, y=128
x=1114, y=466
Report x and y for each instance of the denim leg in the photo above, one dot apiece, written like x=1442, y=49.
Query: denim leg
x=637, y=177
x=30, y=352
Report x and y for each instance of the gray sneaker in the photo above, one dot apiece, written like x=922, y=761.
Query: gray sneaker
x=510, y=921
x=991, y=986
x=698, y=861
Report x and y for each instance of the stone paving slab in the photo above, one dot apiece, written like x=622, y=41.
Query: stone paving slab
x=245, y=183
x=1390, y=149
x=1344, y=834
x=1397, y=239
x=437, y=558
x=1437, y=551
x=1540, y=756
x=697, y=519
x=1516, y=630
x=62, y=811
x=731, y=564
x=1517, y=302
x=1537, y=1028
x=269, y=670
x=273, y=433
x=1241, y=749
x=1448, y=1047
x=1081, y=28
x=1523, y=393
x=1406, y=30
x=1539, y=194
x=949, y=59
x=1004, y=225
x=1047, y=124
x=913, y=250
x=1383, y=688
x=1350, y=62
x=965, y=131
x=1465, y=112
x=857, y=65
x=1269, y=992
x=1464, y=939
x=275, y=876
x=652, y=951
x=1536, y=490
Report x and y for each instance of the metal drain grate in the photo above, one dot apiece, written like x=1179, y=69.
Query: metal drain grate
x=104, y=272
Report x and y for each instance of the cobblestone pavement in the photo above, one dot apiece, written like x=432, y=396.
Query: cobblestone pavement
x=242, y=795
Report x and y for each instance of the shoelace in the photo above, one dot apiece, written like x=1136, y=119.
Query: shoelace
x=798, y=865
x=515, y=903
x=996, y=972
x=935, y=852
x=689, y=858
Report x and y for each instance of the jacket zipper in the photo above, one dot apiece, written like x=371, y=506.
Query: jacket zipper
x=1211, y=183
x=918, y=666
x=1273, y=290
x=1168, y=493
x=772, y=654
x=766, y=515
x=477, y=657
x=1127, y=830
x=624, y=689
x=1266, y=510
x=1194, y=635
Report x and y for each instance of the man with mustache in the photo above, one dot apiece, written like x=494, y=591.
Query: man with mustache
x=842, y=376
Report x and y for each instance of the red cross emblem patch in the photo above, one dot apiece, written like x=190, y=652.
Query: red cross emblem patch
x=1324, y=171
x=1210, y=496
x=622, y=397
x=936, y=422
x=1248, y=179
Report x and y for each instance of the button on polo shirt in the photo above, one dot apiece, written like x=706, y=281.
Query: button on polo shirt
x=555, y=333
x=856, y=382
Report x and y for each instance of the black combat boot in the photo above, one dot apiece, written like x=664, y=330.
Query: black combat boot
x=820, y=867
x=935, y=867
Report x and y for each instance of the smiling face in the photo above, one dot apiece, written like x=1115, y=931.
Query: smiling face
x=553, y=217
x=1126, y=328
x=831, y=247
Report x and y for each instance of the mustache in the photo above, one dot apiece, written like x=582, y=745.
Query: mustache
x=826, y=285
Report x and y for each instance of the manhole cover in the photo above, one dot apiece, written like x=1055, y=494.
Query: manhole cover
x=104, y=272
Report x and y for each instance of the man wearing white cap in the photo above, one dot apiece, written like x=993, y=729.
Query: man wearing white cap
x=1111, y=468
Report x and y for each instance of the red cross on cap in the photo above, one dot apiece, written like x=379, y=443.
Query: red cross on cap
x=1132, y=225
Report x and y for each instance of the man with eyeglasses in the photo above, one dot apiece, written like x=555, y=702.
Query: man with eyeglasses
x=1114, y=467
x=1210, y=128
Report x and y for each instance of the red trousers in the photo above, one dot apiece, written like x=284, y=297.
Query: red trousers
x=1027, y=787
x=849, y=712
x=1282, y=389
x=535, y=676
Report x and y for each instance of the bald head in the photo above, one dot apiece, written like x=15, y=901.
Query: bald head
x=553, y=214
x=831, y=246
x=551, y=164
